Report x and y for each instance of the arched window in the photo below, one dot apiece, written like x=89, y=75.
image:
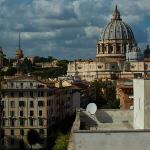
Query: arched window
x=118, y=49
x=110, y=49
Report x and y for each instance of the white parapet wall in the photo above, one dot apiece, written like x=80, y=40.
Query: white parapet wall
x=112, y=140
x=141, y=103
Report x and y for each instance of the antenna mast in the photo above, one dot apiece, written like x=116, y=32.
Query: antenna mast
x=19, y=41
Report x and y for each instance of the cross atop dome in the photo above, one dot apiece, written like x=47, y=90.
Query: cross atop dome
x=116, y=14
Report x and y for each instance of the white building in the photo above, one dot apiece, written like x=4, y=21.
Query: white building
x=117, y=55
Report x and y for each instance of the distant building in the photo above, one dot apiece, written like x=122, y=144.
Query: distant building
x=124, y=92
x=117, y=55
x=87, y=90
x=32, y=104
x=47, y=64
x=115, y=129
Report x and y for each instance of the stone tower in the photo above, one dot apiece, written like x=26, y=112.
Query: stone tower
x=19, y=51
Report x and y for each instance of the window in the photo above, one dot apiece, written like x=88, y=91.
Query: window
x=31, y=84
x=21, y=113
x=20, y=94
x=21, y=85
x=3, y=122
x=3, y=113
x=40, y=122
x=3, y=94
x=31, y=122
x=31, y=104
x=41, y=94
x=31, y=113
x=22, y=132
x=112, y=67
x=12, y=122
x=22, y=122
x=40, y=113
x=41, y=131
x=3, y=104
x=12, y=141
x=21, y=104
x=12, y=94
x=38, y=94
x=31, y=94
x=12, y=104
x=12, y=84
x=12, y=114
x=40, y=103
x=11, y=132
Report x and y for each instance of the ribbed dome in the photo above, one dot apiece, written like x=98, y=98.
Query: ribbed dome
x=117, y=29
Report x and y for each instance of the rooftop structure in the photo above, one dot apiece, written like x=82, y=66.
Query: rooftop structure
x=116, y=129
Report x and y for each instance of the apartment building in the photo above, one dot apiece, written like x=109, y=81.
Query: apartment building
x=33, y=104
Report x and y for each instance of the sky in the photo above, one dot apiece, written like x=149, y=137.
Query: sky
x=66, y=29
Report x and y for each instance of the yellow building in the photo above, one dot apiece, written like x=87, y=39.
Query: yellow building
x=33, y=104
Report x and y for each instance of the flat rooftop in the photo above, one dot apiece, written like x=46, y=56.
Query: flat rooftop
x=106, y=120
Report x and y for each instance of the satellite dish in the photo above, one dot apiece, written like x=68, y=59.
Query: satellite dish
x=131, y=107
x=91, y=108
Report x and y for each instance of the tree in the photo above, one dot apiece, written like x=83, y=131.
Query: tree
x=22, y=145
x=33, y=137
x=61, y=142
x=100, y=100
x=63, y=64
x=10, y=71
x=26, y=66
x=107, y=100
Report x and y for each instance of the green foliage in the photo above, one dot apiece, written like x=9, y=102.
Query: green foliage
x=61, y=142
x=1, y=73
x=58, y=133
x=49, y=72
x=10, y=71
x=33, y=137
x=63, y=64
x=38, y=59
x=100, y=100
x=5, y=60
x=26, y=66
x=107, y=100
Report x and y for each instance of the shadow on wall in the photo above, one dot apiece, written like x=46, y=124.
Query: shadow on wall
x=87, y=122
x=9, y=142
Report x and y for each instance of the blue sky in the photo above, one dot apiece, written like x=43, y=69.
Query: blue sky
x=67, y=29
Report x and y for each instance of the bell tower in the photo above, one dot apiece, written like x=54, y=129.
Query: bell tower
x=19, y=51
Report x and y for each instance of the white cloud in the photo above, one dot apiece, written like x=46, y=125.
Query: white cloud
x=66, y=26
x=92, y=32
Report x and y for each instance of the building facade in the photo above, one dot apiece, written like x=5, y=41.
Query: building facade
x=32, y=104
x=124, y=92
x=117, y=55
